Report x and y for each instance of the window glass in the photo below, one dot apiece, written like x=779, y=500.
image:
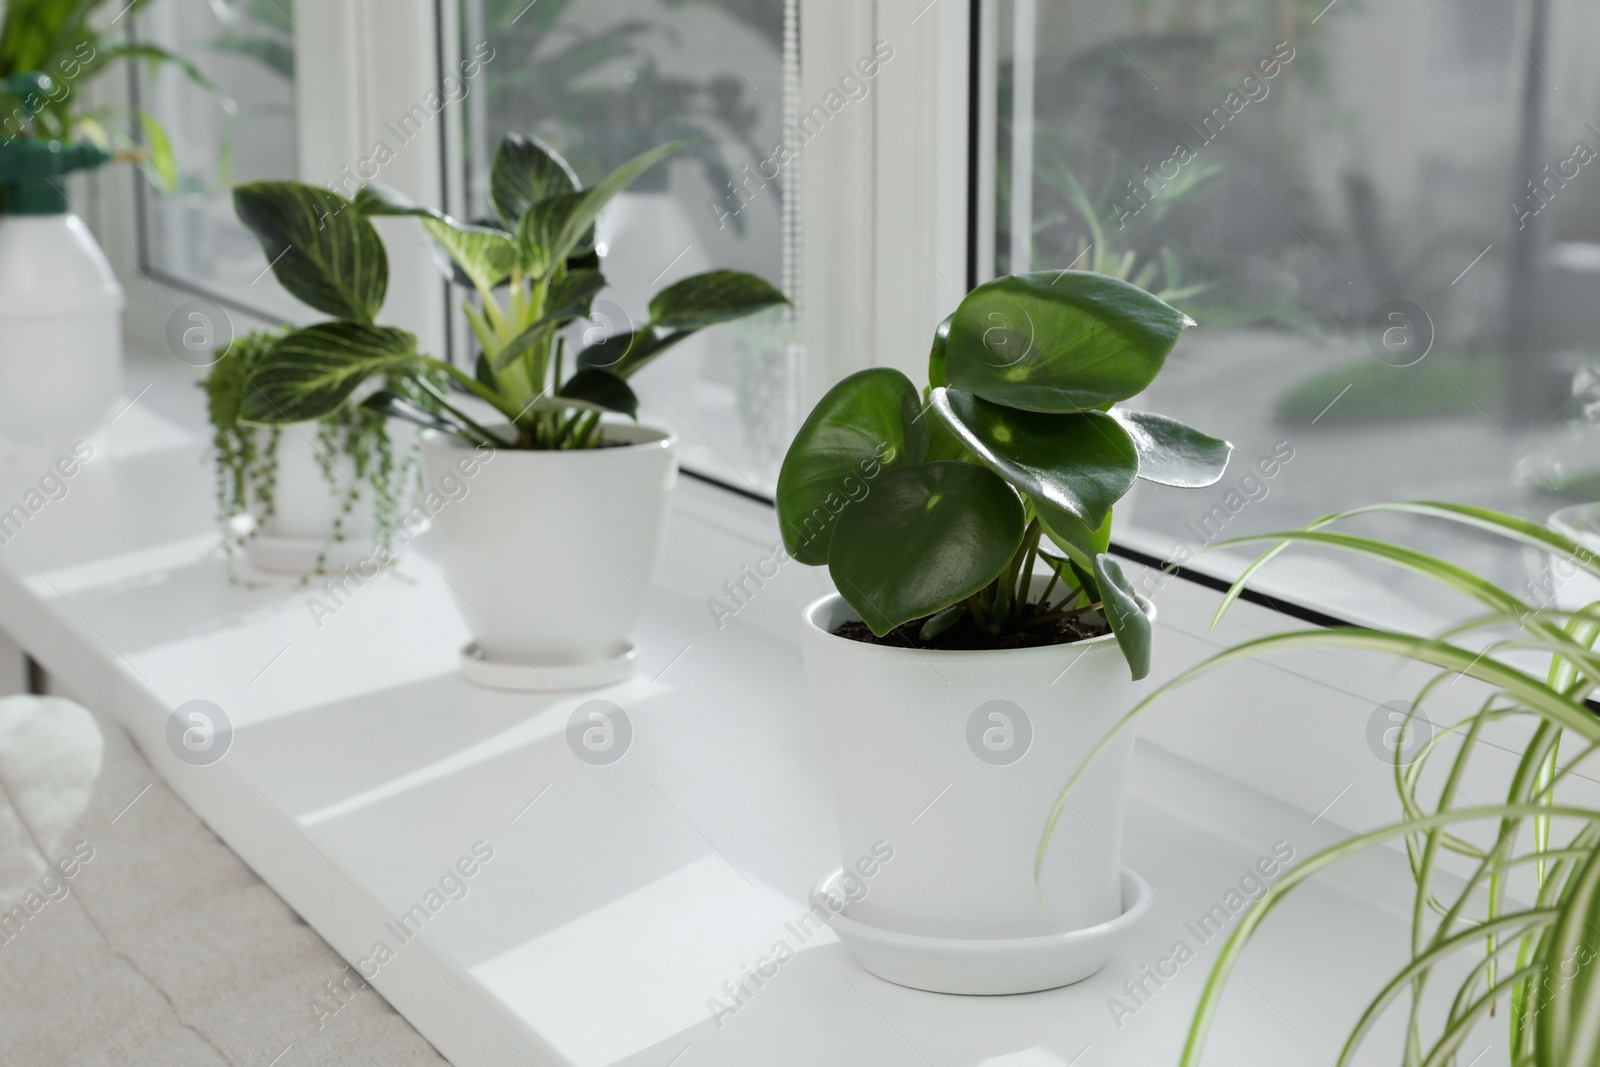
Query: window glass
x=1383, y=216
x=242, y=131
x=603, y=80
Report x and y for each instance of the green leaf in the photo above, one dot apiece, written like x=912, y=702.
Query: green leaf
x=1127, y=614
x=1082, y=463
x=1059, y=341
x=553, y=227
x=922, y=539
x=602, y=388
x=159, y=163
x=377, y=199
x=485, y=255
x=1171, y=453
x=868, y=422
x=519, y=346
x=387, y=402
x=321, y=250
x=1072, y=535
x=713, y=297
x=525, y=171
x=941, y=622
x=570, y=297
x=626, y=354
x=937, y=355
x=311, y=372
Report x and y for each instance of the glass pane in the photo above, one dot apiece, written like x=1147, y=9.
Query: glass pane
x=1382, y=216
x=244, y=131
x=603, y=80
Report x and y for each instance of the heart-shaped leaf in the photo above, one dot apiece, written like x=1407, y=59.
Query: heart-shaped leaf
x=922, y=539
x=485, y=255
x=1059, y=341
x=713, y=297
x=1081, y=463
x=554, y=226
x=602, y=388
x=525, y=171
x=321, y=250
x=1172, y=453
x=309, y=373
x=868, y=422
x=1127, y=614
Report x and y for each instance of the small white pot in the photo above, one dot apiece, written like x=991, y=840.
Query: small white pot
x=550, y=554
x=954, y=759
x=307, y=503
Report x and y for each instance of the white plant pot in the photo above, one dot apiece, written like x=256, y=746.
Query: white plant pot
x=298, y=535
x=1567, y=585
x=550, y=554
x=954, y=759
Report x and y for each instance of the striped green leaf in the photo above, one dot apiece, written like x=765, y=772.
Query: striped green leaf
x=321, y=250
x=311, y=372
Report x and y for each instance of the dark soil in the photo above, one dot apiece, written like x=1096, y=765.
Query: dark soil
x=965, y=636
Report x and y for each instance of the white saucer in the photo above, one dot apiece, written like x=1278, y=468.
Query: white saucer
x=986, y=967
x=523, y=677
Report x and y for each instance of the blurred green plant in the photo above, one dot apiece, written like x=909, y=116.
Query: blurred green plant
x=74, y=41
x=1540, y=955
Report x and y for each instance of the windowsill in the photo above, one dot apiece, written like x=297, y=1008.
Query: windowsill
x=362, y=767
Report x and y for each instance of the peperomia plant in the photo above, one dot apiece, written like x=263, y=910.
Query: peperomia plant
x=540, y=256
x=934, y=509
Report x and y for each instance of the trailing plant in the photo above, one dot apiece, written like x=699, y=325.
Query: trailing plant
x=70, y=42
x=532, y=275
x=246, y=455
x=1538, y=956
x=933, y=508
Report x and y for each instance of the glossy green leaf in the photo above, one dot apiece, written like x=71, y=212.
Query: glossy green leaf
x=602, y=388
x=309, y=373
x=321, y=250
x=713, y=297
x=1081, y=463
x=525, y=171
x=379, y=199
x=1071, y=534
x=1059, y=341
x=923, y=538
x=554, y=226
x=1127, y=614
x=483, y=254
x=1172, y=453
x=936, y=355
x=863, y=426
x=570, y=297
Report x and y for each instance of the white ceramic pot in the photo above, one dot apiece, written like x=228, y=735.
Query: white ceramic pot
x=954, y=759
x=550, y=554
x=307, y=503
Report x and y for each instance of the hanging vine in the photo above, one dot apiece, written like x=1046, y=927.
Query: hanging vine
x=245, y=458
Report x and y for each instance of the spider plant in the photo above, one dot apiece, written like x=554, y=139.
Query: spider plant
x=1538, y=956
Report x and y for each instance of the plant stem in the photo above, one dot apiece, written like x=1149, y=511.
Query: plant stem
x=473, y=386
x=466, y=420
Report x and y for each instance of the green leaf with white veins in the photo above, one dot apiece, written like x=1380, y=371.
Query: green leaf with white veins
x=713, y=297
x=484, y=255
x=922, y=539
x=870, y=421
x=311, y=372
x=326, y=253
x=1171, y=453
x=1081, y=463
x=554, y=226
x=1059, y=341
x=525, y=171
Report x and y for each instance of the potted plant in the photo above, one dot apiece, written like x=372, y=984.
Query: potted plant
x=1523, y=928
x=982, y=638
x=301, y=499
x=570, y=512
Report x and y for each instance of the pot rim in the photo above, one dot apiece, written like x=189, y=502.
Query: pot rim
x=1096, y=645
x=664, y=439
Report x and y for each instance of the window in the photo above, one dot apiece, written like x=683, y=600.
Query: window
x=603, y=80
x=243, y=132
x=1381, y=215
